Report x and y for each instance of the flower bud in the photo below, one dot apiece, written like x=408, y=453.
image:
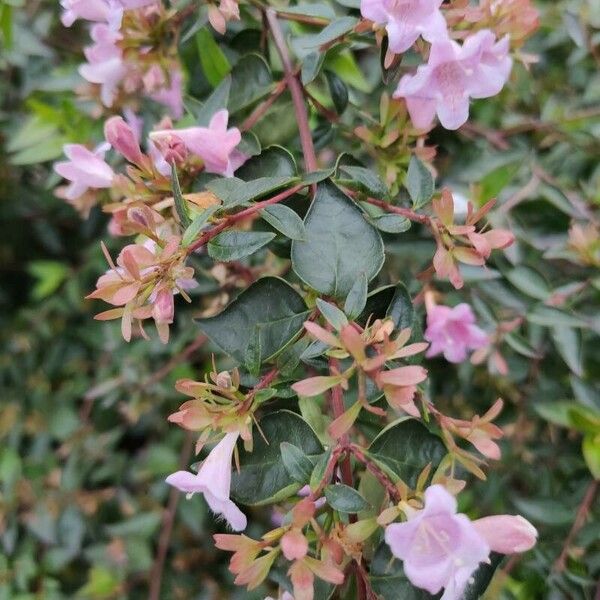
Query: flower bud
x=122, y=138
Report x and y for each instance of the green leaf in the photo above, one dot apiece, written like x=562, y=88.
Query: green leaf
x=364, y=180
x=235, y=192
x=263, y=478
x=270, y=309
x=180, y=206
x=569, y=344
x=529, y=281
x=345, y=499
x=273, y=161
x=319, y=471
x=296, y=463
x=520, y=345
x=405, y=448
x=217, y=101
x=391, y=301
x=555, y=412
x=191, y=233
x=285, y=220
x=419, y=182
x=338, y=91
x=214, y=63
x=391, y=223
x=552, y=317
x=357, y=297
x=233, y=245
x=590, y=448
x=340, y=244
x=50, y=274
x=250, y=80
x=335, y=317
x=334, y=30
x=311, y=65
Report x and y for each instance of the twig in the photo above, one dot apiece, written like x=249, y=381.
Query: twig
x=383, y=479
x=171, y=364
x=405, y=212
x=580, y=517
x=244, y=214
x=167, y=525
x=308, y=149
x=262, y=108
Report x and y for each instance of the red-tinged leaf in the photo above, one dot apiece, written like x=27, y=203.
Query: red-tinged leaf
x=410, y=350
x=353, y=342
x=313, y=386
x=484, y=210
x=109, y=315
x=444, y=207
x=324, y=571
x=468, y=256
x=129, y=262
x=322, y=334
x=403, y=376
x=499, y=238
x=481, y=244
x=125, y=294
x=343, y=423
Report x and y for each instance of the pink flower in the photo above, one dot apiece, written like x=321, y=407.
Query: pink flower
x=406, y=20
x=84, y=169
x=123, y=139
x=214, y=144
x=440, y=549
x=105, y=65
x=172, y=95
x=452, y=331
x=214, y=481
x=507, y=534
x=477, y=69
x=90, y=10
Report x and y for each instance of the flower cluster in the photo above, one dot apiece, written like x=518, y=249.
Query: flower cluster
x=454, y=72
x=463, y=243
x=125, y=59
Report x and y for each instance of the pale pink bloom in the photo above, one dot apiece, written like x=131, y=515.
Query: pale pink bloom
x=84, y=169
x=406, y=20
x=227, y=10
x=105, y=65
x=123, y=139
x=214, y=144
x=452, y=331
x=477, y=69
x=135, y=122
x=507, y=534
x=159, y=160
x=172, y=95
x=214, y=481
x=440, y=548
x=90, y=10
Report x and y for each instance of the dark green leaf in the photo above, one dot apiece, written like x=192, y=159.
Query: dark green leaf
x=233, y=245
x=339, y=245
x=553, y=317
x=311, y=65
x=250, y=80
x=391, y=223
x=273, y=161
x=215, y=102
x=529, y=281
x=337, y=90
x=405, y=448
x=364, y=180
x=296, y=463
x=419, y=182
x=391, y=301
x=191, y=233
x=335, y=317
x=269, y=309
x=285, y=220
x=235, y=192
x=569, y=344
x=263, y=478
x=334, y=30
x=357, y=297
x=345, y=499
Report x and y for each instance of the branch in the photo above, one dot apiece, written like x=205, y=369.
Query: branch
x=580, y=517
x=405, y=212
x=167, y=525
x=262, y=108
x=308, y=149
x=244, y=214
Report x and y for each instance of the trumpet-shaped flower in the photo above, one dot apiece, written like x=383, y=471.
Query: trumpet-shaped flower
x=406, y=20
x=442, y=549
x=214, y=144
x=214, y=481
x=452, y=331
x=84, y=169
x=477, y=69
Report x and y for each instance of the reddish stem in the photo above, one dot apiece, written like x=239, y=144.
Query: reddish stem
x=405, y=212
x=295, y=88
x=383, y=479
x=262, y=108
x=244, y=214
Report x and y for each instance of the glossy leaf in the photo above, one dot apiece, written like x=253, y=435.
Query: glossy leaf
x=345, y=499
x=234, y=245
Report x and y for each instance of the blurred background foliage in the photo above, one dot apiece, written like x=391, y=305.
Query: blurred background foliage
x=84, y=441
